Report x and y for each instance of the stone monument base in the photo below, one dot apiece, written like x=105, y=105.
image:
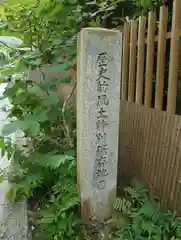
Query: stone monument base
x=13, y=222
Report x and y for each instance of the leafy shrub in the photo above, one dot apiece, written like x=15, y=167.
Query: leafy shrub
x=45, y=169
x=141, y=217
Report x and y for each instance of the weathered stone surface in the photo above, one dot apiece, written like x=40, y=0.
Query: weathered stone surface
x=13, y=216
x=98, y=102
x=13, y=223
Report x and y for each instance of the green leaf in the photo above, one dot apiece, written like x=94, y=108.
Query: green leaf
x=35, y=62
x=2, y=143
x=148, y=209
x=33, y=129
x=50, y=100
x=2, y=175
x=58, y=68
x=12, y=193
x=29, y=124
x=147, y=226
x=3, y=152
x=20, y=98
x=59, y=59
x=178, y=232
x=70, y=153
x=91, y=3
x=35, y=89
x=33, y=179
x=131, y=192
x=122, y=205
x=10, y=128
x=138, y=186
x=70, y=50
x=52, y=161
x=3, y=147
x=136, y=225
x=47, y=218
x=65, y=80
x=72, y=202
x=42, y=117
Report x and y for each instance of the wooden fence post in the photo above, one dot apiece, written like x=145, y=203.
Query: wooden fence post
x=98, y=103
x=140, y=60
x=150, y=58
x=125, y=69
x=132, y=60
x=174, y=57
x=161, y=58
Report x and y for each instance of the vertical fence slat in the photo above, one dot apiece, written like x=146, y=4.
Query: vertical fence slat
x=132, y=63
x=126, y=38
x=140, y=61
x=150, y=58
x=174, y=57
x=161, y=57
